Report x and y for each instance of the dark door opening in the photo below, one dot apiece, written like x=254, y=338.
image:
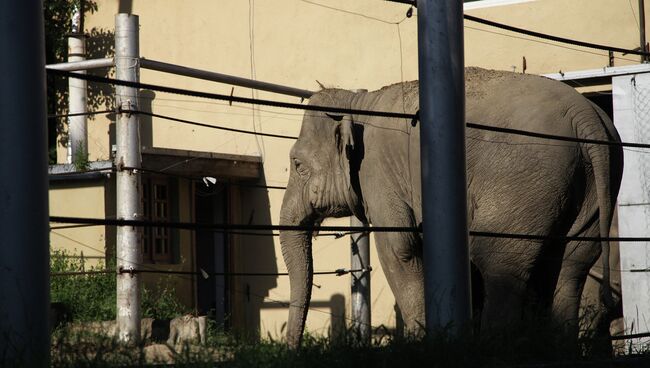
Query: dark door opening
x=212, y=252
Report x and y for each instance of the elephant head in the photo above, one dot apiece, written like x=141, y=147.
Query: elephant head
x=321, y=184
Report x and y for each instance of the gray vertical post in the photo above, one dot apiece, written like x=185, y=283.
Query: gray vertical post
x=129, y=253
x=77, y=128
x=24, y=248
x=644, y=58
x=360, y=299
x=442, y=151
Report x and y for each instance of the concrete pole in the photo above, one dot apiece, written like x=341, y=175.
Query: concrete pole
x=77, y=127
x=644, y=58
x=24, y=244
x=442, y=153
x=129, y=253
x=360, y=296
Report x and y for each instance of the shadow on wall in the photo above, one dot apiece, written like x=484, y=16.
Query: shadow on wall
x=254, y=254
x=146, y=98
x=335, y=307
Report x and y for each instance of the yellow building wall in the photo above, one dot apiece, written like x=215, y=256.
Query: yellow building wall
x=73, y=201
x=300, y=43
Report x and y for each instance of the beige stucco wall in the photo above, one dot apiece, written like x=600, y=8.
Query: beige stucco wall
x=73, y=201
x=360, y=44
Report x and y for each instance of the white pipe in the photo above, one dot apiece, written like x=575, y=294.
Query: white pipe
x=129, y=253
x=223, y=78
x=24, y=244
x=77, y=125
x=360, y=295
x=82, y=65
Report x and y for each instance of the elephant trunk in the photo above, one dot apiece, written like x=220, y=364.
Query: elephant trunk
x=296, y=251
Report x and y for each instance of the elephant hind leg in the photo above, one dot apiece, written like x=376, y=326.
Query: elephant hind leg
x=506, y=267
x=579, y=256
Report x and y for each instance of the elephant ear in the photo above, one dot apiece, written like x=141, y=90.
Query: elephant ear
x=344, y=134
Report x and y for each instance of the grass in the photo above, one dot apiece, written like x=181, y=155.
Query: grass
x=530, y=347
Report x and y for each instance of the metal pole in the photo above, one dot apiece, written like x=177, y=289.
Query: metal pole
x=360, y=298
x=442, y=151
x=224, y=78
x=77, y=127
x=129, y=253
x=82, y=65
x=24, y=244
x=644, y=58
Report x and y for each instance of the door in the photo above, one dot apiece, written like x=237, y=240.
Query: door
x=211, y=252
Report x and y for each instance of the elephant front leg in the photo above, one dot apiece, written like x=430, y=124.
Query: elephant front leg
x=400, y=255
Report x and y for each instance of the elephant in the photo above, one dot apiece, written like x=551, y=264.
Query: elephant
x=369, y=167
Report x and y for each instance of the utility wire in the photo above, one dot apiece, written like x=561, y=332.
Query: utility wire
x=338, y=272
x=539, y=34
x=205, y=125
x=80, y=273
x=340, y=110
x=57, y=116
x=204, y=274
x=206, y=226
x=554, y=137
x=216, y=96
x=553, y=38
x=336, y=229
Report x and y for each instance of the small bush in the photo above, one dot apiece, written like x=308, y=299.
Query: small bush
x=161, y=301
x=86, y=297
x=93, y=297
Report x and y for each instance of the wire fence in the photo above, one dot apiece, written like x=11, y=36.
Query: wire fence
x=412, y=117
x=203, y=273
x=340, y=230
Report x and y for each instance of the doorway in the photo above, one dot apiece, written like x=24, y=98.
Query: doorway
x=212, y=255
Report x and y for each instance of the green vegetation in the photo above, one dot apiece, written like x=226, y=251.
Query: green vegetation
x=92, y=297
x=441, y=350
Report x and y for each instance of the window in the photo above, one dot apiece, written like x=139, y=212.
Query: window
x=157, y=241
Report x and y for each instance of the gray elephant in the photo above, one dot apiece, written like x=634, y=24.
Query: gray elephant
x=369, y=167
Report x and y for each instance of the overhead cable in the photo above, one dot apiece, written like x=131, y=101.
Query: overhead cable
x=205, y=125
x=204, y=274
x=336, y=229
x=339, y=110
x=539, y=34
x=80, y=273
x=554, y=38
x=207, y=226
x=56, y=116
x=554, y=137
x=217, y=96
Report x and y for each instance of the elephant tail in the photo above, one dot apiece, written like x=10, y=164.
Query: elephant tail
x=607, y=165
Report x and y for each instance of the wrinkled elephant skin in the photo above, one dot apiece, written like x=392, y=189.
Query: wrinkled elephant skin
x=369, y=167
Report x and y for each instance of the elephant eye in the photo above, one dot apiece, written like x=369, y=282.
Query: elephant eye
x=300, y=168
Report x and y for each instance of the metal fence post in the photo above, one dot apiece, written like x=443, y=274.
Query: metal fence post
x=442, y=145
x=128, y=180
x=24, y=248
x=360, y=297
